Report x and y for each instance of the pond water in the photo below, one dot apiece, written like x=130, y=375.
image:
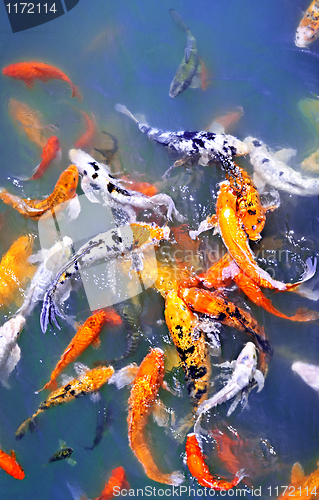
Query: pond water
x=128, y=52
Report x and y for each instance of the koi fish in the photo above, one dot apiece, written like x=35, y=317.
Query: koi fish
x=245, y=371
x=33, y=70
x=114, y=485
x=110, y=245
x=195, y=460
x=204, y=76
x=86, y=335
x=15, y=270
x=64, y=190
x=310, y=109
x=103, y=421
x=223, y=123
x=205, y=144
x=129, y=312
x=96, y=174
x=10, y=465
x=63, y=453
x=50, y=151
x=190, y=344
x=86, y=139
x=188, y=67
x=142, y=187
x=91, y=381
x=301, y=483
x=29, y=121
x=308, y=29
x=309, y=373
x=311, y=163
x=149, y=378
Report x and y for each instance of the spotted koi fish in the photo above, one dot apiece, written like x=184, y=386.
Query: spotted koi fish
x=149, y=378
x=113, y=244
x=195, y=460
x=10, y=465
x=89, y=382
x=64, y=190
x=308, y=29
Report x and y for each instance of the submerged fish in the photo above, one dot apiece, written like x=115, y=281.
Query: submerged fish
x=104, y=419
x=10, y=465
x=188, y=67
x=87, y=137
x=114, y=485
x=309, y=373
x=308, y=29
x=64, y=190
x=50, y=151
x=305, y=485
x=32, y=70
x=28, y=120
x=63, y=453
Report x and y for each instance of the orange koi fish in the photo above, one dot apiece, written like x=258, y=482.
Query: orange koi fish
x=142, y=187
x=149, y=378
x=196, y=463
x=91, y=381
x=225, y=123
x=10, y=465
x=308, y=29
x=15, y=270
x=29, y=121
x=33, y=70
x=87, y=334
x=115, y=484
x=204, y=76
x=64, y=190
x=191, y=346
x=86, y=139
x=50, y=151
x=305, y=485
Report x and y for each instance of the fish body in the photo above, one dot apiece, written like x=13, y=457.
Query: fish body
x=191, y=346
x=64, y=190
x=146, y=384
x=301, y=483
x=108, y=246
x=49, y=153
x=62, y=454
x=207, y=145
x=10, y=465
x=33, y=70
x=91, y=381
x=195, y=460
x=188, y=67
x=86, y=335
x=114, y=485
x=28, y=120
x=87, y=137
x=309, y=373
x=308, y=29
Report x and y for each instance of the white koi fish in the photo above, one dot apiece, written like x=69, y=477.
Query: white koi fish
x=308, y=373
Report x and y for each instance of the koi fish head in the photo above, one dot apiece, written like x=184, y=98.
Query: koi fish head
x=248, y=356
x=69, y=180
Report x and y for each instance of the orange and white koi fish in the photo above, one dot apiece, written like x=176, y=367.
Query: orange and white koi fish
x=195, y=460
x=10, y=465
x=87, y=137
x=15, y=270
x=29, y=121
x=32, y=70
x=114, y=485
x=50, y=151
x=64, y=190
x=90, y=381
x=308, y=29
x=149, y=378
x=305, y=485
x=87, y=334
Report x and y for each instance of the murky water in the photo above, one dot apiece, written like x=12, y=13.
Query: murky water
x=128, y=52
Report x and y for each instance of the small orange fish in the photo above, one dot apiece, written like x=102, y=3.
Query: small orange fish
x=142, y=187
x=64, y=190
x=149, y=378
x=15, y=270
x=204, y=76
x=86, y=139
x=196, y=463
x=114, y=485
x=50, y=151
x=33, y=70
x=29, y=121
x=87, y=334
x=10, y=465
x=303, y=486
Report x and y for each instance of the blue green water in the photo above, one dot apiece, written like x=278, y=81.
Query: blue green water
x=248, y=48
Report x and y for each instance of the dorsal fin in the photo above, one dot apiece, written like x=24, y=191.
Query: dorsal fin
x=297, y=473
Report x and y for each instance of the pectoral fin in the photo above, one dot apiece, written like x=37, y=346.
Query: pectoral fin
x=162, y=415
x=258, y=376
x=96, y=343
x=297, y=473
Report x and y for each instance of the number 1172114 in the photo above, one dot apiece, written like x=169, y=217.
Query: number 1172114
x=30, y=8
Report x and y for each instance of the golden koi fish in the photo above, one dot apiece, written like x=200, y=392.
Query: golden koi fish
x=29, y=121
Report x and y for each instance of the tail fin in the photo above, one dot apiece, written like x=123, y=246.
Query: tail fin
x=178, y=20
x=300, y=288
x=122, y=109
x=26, y=425
x=52, y=385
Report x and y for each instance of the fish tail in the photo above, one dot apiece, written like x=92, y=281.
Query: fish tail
x=76, y=93
x=122, y=109
x=26, y=425
x=178, y=20
x=52, y=385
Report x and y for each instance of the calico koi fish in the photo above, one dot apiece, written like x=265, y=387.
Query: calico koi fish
x=114, y=485
x=308, y=29
x=301, y=483
x=191, y=346
x=87, y=137
x=91, y=381
x=86, y=335
x=195, y=460
x=188, y=67
x=207, y=145
x=149, y=378
x=33, y=70
x=29, y=121
x=10, y=465
x=64, y=190
x=110, y=245
x=113, y=193
x=50, y=151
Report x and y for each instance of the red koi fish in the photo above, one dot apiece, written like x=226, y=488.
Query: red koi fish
x=114, y=485
x=198, y=468
x=33, y=70
x=10, y=465
x=86, y=139
x=50, y=151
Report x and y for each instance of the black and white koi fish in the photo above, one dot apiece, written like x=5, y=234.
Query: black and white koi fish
x=116, y=243
x=207, y=145
x=113, y=193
